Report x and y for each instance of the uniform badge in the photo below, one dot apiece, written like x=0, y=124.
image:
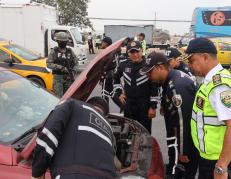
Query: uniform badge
x=127, y=70
x=148, y=61
x=216, y=79
x=177, y=100
x=133, y=44
x=225, y=97
x=200, y=102
x=68, y=55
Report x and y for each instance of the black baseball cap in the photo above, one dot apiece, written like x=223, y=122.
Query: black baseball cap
x=134, y=45
x=201, y=45
x=172, y=53
x=154, y=59
x=107, y=40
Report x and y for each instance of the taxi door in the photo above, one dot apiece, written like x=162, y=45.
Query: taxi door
x=224, y=53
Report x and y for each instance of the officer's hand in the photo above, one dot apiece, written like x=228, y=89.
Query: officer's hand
x=223, y=176
x=151, y=113
x=183, y=158
x=162, y=111
x=122, y=99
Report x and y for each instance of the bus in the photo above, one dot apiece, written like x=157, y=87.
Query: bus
x=211, y=22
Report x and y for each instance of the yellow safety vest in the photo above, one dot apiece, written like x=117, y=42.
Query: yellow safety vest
x=144, y=47
x=207, y=131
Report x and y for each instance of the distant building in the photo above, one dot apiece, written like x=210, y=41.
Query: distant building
x=161, y=36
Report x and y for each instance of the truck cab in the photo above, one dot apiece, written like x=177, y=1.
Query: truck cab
x=75, y=42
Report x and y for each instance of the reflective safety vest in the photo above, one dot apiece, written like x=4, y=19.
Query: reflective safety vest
x=207, y=131
x=144, y=47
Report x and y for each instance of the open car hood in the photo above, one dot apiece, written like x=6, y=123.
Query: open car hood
x=84, y=83
x=88, y=79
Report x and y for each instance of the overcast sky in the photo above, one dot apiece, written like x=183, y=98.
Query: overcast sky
x=146, y=9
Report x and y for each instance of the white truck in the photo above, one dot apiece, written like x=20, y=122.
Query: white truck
x=117, y=32
x=33, y=26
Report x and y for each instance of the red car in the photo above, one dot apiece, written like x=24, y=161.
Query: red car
x=24, y=106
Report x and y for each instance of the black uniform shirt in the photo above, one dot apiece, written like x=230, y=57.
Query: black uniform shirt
x=136, y=86
x=184, y=68
x=74, y=134
x=178, y=92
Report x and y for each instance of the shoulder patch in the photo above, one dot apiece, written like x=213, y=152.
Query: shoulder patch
x=133, y=44
x=217, y=79
x=225, y=97
x=177, y=100
x=200, y=102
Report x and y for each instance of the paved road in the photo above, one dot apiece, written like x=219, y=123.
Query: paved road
x=158, y=127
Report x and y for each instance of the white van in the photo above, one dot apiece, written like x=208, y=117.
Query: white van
x=34, y=25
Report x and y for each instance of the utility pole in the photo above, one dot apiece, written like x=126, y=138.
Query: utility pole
x=155, y=20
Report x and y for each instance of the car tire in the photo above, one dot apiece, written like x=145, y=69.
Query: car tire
x=37, y=81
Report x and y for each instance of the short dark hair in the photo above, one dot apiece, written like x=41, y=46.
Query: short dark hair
x=107, y=40
x=142, y=34
x=100, y=103
x=214, y=56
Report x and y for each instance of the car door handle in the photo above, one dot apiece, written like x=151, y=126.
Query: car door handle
x=222, y=52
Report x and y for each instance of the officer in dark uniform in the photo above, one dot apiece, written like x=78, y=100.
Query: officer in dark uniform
x=139, y=94
x=107, y=78
x=177, y=100
x=63, y=63
x=175, y=60
x=102, y=106
x=75, y=143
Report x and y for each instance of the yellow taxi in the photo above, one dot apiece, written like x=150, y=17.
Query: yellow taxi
x=223, y=51
x=25, y=63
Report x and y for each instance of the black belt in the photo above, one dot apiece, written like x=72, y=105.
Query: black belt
x=84, y=170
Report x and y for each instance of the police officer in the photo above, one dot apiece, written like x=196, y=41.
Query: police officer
x=63, y=63
x=211, y=116
x=175, y=60
x=177, y=99
x=139, y=94
x=107, y=78
x=141, y=38
x=90, y=43
x=102, y=106
x=65, y=144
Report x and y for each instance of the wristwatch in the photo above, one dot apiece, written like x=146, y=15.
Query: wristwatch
x=219, y=170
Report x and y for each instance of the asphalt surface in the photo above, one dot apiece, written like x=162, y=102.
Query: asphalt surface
x=158, y=126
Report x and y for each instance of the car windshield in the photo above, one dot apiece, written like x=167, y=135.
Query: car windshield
x=22, y=52
x=23, y=105
x=77, y=35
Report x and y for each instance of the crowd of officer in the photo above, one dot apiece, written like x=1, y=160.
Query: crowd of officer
x=197, y=118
